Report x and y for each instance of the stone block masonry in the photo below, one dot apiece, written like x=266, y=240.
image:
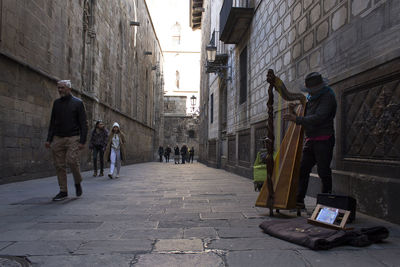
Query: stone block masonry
x=92, y=44
x=353, y=43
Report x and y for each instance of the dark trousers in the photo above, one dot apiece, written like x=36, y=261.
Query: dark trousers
x=166, y=157
x=160, y=157
x=191, y=157
x=98, y=150
x=183, y=158
x=316, y=153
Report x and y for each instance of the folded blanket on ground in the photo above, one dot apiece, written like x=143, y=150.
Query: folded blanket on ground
x=300, y=232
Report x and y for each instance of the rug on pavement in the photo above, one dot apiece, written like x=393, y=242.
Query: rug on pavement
x=300, y=232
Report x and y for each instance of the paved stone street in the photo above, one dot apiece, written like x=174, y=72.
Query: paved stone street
x=159, y=214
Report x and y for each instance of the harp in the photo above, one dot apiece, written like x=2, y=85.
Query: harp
x=280, y=188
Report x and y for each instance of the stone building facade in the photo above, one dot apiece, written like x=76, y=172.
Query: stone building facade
x=115, y=66
x=179, y=127
x=181, y=49
x=354, y=43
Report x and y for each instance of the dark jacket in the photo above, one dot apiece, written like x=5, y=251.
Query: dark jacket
x=319, y=114
x=68, y=118
x=98, y=138
x=160, y=151
x=183, y=150
x=176, y=150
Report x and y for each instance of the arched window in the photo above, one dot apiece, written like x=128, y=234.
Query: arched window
x=176, y=33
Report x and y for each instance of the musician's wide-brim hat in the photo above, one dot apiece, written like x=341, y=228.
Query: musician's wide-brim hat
x=314, y=82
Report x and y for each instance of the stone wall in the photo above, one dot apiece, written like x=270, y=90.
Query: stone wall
x=43, y=41
x=353, y=43
x=204, y=84
x=175, y=105
x=179, y=129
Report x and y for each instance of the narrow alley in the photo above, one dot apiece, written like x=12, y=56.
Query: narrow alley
x=162, y=214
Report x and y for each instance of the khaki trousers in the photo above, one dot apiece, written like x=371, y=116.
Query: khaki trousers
x=66, y=151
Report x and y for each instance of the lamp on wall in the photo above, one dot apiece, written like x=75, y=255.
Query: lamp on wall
x=211, y=52
x=213, y=67
x=193, y=101
x=217, y=59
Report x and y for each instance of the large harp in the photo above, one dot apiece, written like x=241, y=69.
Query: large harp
x=280, y=188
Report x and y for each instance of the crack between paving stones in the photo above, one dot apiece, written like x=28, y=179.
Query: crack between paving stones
x=220, y=253
x=306, y=262
x=12, y=243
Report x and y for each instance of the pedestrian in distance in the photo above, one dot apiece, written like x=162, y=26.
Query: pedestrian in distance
x=98, y=144
x=191, y=154
x=115, y=150
x=161, y=153
x=184, y=151
x=176, y=154
x=167, y=152
x=66, y=137
x=318, y=124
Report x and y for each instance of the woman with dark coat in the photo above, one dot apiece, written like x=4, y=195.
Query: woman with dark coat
x=98, y=143
x=176, y=154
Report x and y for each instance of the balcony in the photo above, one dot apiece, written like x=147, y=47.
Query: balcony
x=196, y=13
x=221, y=57
x=234, y=20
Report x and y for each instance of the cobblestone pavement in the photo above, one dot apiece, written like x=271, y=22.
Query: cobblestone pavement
x=159, y=214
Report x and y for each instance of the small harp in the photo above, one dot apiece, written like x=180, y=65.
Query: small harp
x=280, y=188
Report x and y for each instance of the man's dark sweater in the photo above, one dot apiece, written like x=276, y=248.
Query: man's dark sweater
x=319, y=114
x=68, y=118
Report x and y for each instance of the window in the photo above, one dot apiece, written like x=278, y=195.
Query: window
x=243, y=76
x=177, y=78
x=176, y=34
x=212, y=108
x=191, y=133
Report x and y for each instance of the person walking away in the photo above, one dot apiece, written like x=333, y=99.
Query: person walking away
x=160, y=153
x=115, y=150
x=183, y=153
x=191, y=154
x=318, y=124
x=66, y=137
x=176, y=154
x=98, y=143
x=167, y=153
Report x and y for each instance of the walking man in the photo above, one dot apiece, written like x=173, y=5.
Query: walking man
x=191, y=154
x=167, y=152
x=184, y=153
x=66, y=136
x=160, y=152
